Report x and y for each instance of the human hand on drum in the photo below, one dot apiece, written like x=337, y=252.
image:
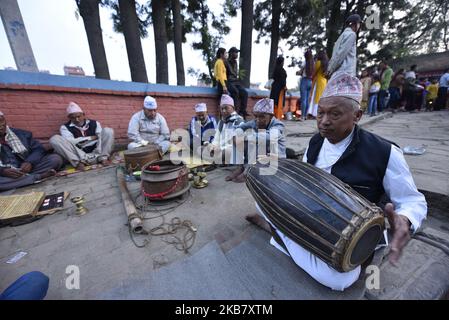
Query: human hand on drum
x=400, y=227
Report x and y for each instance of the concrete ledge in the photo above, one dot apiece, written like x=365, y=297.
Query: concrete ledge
x=48, y=82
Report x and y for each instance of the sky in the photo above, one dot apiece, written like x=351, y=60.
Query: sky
x=58, y=39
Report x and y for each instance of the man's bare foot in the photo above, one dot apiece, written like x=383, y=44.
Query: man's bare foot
x=234, y=174
x=80, y=167
x=240, y=178
x=258, y=221
x=48, y=174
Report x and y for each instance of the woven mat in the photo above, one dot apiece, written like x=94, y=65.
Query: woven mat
x=21, y=205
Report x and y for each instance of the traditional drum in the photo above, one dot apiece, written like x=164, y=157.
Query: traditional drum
x=135, y=159
x=319, y=212
x=162, y=180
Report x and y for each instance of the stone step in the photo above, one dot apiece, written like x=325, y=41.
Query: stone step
x=267, y=273
x=205, y=275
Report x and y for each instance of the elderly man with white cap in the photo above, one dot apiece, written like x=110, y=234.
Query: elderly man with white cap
x=23, y=160
x=223, y=144
x=202, y=126
x=371, y=165
x=265, y=130
x=83, y=141
x=149, y=127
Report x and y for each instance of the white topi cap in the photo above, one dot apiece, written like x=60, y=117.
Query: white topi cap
x=201, y=107
x=150, y=103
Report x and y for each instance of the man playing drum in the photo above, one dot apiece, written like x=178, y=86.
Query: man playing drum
x=368, y=163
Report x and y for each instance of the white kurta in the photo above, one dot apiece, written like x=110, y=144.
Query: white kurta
x=399, y=187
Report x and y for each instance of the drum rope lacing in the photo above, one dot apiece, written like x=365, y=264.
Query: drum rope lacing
x=161, y=195
x=169, y=231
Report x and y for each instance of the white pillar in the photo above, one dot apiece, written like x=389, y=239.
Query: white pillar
x=17, y=36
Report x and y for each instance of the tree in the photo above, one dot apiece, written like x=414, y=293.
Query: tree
x=130, y=26
x=275, y=20
x=406, y=26
x=246, y=41
x=89, y=11
x=160, y=40
x=211, y=29
x=268, y=22
x=178, y=40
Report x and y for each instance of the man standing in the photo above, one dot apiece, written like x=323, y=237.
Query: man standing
x=386, y=73
x=368, y=163
x=202, y=123
x=410, y=89
x=344, y=53
x=149, y=127
x=83, y=141
x=442, y=92
x=23, y=160
x=235, y=88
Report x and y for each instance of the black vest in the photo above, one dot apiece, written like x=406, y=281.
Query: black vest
x=362, y=165
x=89, y=132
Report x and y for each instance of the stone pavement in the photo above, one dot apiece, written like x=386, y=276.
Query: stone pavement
x=230, y=259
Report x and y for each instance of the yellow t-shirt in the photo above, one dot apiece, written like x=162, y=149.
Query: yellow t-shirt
x=433, y=91
x=220, y=72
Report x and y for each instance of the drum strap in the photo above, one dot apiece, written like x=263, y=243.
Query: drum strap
x=278, y=239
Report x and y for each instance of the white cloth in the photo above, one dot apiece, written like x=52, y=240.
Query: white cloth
x=410, y=75
x=344, y=54
x=399, y=187
x=142, y=130
x=375, y=87
x=84, y=141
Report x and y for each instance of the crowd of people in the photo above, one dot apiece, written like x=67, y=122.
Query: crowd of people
x=384, y=89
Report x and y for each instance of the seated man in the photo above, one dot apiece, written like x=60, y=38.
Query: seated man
x=83, y=141
x=23, y=160
x=199, y=124
x=149, y=127
x=264, y=127
x=223, y=147
x=368, y=163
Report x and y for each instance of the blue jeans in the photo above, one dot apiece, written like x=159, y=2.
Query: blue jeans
x=382, y=97
x=30, y=286
x=372, y=104
x=305, y=87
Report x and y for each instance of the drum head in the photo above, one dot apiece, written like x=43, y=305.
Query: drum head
x=363, y=244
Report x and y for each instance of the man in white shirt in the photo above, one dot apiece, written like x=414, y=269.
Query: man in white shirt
x=344, y=53
x=441, y=101
x=83, y=141
x=223, y=148
x=365, y=161
x=149, y=127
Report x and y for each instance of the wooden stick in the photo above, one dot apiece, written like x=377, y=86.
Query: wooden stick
x=134, y=219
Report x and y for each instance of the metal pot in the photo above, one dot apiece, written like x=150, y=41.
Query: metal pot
x=162, y=180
